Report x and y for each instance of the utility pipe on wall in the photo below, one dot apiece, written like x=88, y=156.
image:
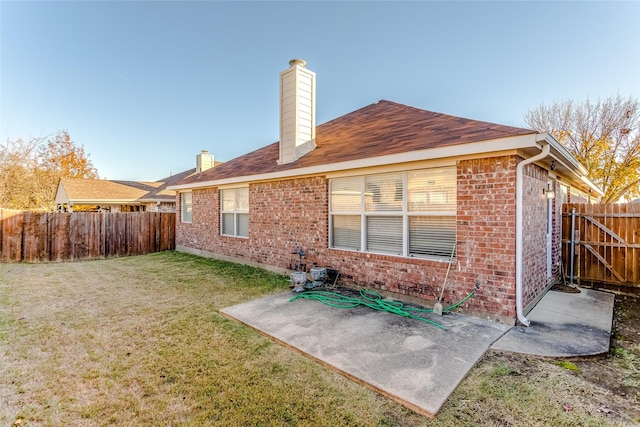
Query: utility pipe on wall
x=519, y=173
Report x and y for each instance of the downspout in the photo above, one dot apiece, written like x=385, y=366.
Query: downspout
x=519, y=171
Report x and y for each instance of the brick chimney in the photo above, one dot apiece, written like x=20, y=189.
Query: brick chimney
x=204, y=161
x=297, y=111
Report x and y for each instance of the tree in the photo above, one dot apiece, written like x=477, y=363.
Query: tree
x=60, y=156
x=603, y=135
x=30, y=170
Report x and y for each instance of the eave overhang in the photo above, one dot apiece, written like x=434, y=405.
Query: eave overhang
x=525, y=145
x=103, y=202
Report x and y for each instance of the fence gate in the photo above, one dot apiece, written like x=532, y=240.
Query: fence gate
x=601, y=245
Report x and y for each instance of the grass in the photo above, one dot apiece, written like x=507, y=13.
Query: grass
x=139, y=341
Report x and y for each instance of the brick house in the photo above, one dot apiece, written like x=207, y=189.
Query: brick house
x=388, y=194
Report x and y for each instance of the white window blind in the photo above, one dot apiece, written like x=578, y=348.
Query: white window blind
x=346, y=232
x=409, y=213
x=432, y=190
x=186, y=208
x=234, y=215
x=346, y=194
x=384, y=193
x=384, y=234
x=432, y=235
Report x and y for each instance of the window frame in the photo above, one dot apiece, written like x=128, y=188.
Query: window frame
x=439, y=212
x=186, y=207
x=236, y=212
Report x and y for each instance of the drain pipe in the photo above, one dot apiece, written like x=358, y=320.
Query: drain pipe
x=519, y=171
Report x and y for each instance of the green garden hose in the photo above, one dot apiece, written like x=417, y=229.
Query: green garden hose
x=374, y=300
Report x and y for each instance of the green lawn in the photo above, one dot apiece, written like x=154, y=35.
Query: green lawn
x=140, y=341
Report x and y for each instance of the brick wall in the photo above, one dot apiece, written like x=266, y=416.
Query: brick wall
x=486, y=232
x=283, y=216
x=556, y=258
x=288, y=214
x=535, y=217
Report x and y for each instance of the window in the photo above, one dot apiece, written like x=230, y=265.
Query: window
x=407, y=213
x=186, y=206
x=234, y=212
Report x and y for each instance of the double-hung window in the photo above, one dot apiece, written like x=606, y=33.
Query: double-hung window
x=406, y=213
x=234, y=214
x=186, y=206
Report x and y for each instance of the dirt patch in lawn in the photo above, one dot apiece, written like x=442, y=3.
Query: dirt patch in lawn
x=139, y=341
x=603, y=390
x=619, y=371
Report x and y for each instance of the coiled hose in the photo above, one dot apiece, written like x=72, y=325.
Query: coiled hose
x=374, y=300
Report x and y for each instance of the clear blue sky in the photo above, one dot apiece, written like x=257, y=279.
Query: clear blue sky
x=144, y=86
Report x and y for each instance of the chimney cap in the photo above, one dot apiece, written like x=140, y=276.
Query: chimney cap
x=300, y=62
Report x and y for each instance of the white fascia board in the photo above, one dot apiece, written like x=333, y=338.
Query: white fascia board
x=153, y=200
x=233, y=186
x=482, y=147
x=104, y=202
x=592, y=185
x=560, y=154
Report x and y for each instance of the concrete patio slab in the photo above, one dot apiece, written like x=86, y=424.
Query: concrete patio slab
x=564, y=325
x=409, y=361
x=417, y=364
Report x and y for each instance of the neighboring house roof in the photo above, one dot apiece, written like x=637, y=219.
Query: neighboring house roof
x=99, y=190
x=160, y=193
x=380, y=129
x=102, y=191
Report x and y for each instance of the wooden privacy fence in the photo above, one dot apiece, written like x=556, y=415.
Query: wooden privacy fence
x=62, y=236
x=601, y=244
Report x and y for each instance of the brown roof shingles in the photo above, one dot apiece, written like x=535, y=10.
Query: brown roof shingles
x=379, y=129
x=132, y=191
x=100, y=189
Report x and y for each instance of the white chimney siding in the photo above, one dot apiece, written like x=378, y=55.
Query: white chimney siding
x=204, y=161
x=297, y=111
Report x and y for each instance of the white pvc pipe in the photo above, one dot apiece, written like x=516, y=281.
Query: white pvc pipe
x=519, y=170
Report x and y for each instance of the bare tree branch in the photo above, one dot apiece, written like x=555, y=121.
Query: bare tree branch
x=603, y=135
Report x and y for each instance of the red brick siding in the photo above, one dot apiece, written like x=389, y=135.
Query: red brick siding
x=557, y=231
x=283, y=215
x=486, y=232
x=534, y=222
x=287, y=214
x=204, y=228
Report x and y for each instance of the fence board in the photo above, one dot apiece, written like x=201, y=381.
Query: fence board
x=61, y=236
x=34, y=242
x=11, y=241
x=607, y=243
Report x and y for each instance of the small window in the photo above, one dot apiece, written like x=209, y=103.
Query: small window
x=234, y=212
x=186, y=206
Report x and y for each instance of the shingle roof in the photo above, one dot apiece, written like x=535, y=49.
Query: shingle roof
x=161, y=192
x=379, y=129
x=102, y=190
